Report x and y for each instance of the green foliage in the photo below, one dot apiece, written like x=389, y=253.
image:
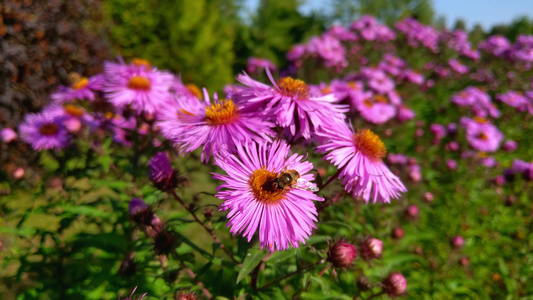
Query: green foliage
x=194, y=38
x=388, y=11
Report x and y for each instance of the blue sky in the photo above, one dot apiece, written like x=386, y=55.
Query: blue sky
x=485, y=12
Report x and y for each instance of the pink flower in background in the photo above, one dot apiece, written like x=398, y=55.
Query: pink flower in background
x=496, y=44
x=405, y=114
x=359, y=156
x=457, y=66
x=289, y=104
x=514, y=99
x=482, y=135
x=283, y=217
x=509, y=146
x=438, y=130
x=413, y=77
x=83, y=89
x=256, y=64
x=44, y=131
x=329, y=49
x=145, y=90
x=376, y=109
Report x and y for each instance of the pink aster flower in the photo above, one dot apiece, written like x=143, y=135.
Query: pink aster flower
x=44, y=131
x=146, y=90
x=222, y=124
x=289, y=104
x=405, y=114
x=256, y=64
x=482, y=135
x=514, y=99
x=376, y=109
x=359, y=156
x=284, y=215
x=73, y=116
x=83, y=89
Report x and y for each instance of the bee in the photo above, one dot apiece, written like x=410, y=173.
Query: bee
x=291, y=179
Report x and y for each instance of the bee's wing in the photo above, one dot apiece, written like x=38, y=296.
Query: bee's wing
x=306, y=185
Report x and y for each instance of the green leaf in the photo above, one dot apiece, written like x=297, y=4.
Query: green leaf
x=251, y=261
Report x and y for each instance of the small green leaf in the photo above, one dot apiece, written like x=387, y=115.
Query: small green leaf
x=251, y=261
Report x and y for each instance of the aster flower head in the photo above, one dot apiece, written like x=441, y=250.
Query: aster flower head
x=146, y=90
x=376, y=109
x=82, y=88
x=341, y=254
x=44, y=131
x=359, y=156
x=482, y=135
x=289, y=103
x=283, y=216
x=216, y=125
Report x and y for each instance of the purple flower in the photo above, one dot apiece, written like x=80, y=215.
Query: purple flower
x=413, y=77
x=397, y=159
x=256, y=64
x=8, y=135
x=131, y=296
x=329, y=49
x=289, y=103
x=376, y=109
x=405, y=114
x=482, y=135
x=359, y=156
x=222, y=124
x=451, y=164
x=438, y=130
x=509, y=146
x=161, y=173
x=284, y=216
x=457, y=66
x=146, y=90
x=44, y=131
x=514, y=99
x=83, y=89
x=341, y=254
x=371, y=248
x=395, y=285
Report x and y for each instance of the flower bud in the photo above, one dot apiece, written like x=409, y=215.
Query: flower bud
x=452, y=146
x=341, y=254
x=398, y=233
x=140, y=212
x=395, y=285
x=164, y=242
x=451, y=164
x=19, y=173
x=363, y=284
x=128, y=267
x=371, y=248
x=8, y=135
x=161, y=173
x=184, y=295
x=464, y=261
x=509, y=146
x=457, y=242
x=412, y=211
x=428, y=196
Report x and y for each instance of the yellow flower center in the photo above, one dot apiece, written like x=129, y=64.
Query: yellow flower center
x=139, y=83
x=194, y=90
x=352, y=85
x=381, y=98
x=141, y=62
x=48, y=129
x=368, y=103
x=261, y=185
x=480, y=120
x=369, y=144
x=326, y=90
x=73, y=110
x=291, y=87
x=222, y=112
x=482, y=136
x=109, y=115
x=83, y=82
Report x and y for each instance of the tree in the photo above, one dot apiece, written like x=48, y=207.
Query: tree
x=194, y=38
x=477, y=34
x=388, y=11
x=460, y=24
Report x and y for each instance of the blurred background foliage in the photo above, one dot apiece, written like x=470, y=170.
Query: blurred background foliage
x=207, y=41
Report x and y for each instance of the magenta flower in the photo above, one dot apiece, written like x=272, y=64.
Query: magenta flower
x=341, y=254
x=256, y=64
x=289, y=103
x=438, y=130
x=83, y=89
x=73, y=116
x=221, y=124
x=482, y=135
x=359, y=156
x=146, y=90
x=457, y=66
x=514, y=99
x=405, y=114
x=284, y=216
x=376, y=109
x=44, y=131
